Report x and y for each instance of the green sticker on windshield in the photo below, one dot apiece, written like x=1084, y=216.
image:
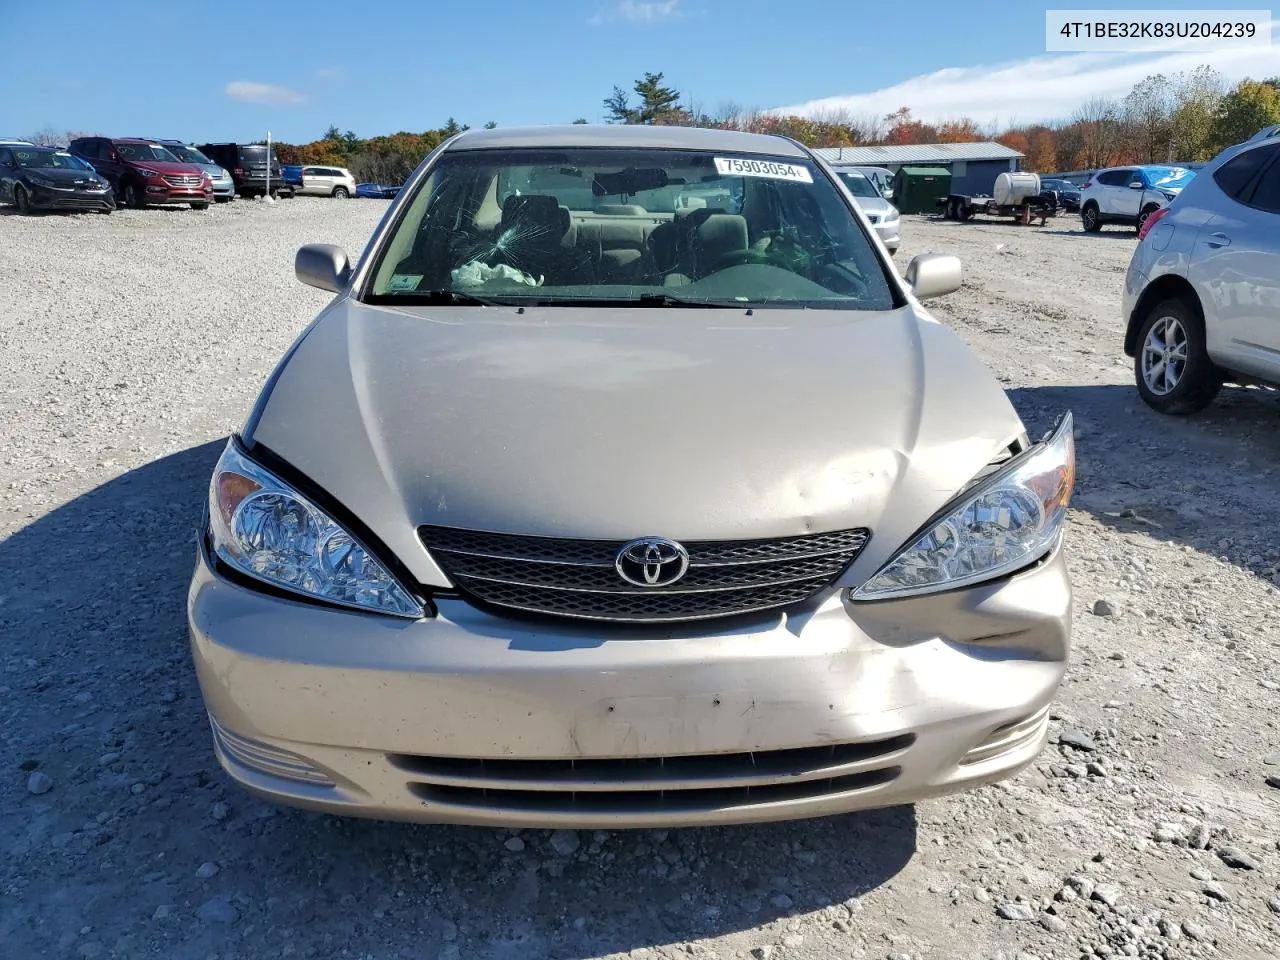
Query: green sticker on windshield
x=404, y=281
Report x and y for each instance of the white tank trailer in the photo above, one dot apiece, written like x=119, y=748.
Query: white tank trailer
x=1017, y=195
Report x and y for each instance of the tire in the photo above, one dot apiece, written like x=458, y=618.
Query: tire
x=1142, y=217
x=1091, y=218
x=22, y=201
x=130, y=198
x=340, y=193
x=200, y=206
x=275, y=192
x=1171, y=366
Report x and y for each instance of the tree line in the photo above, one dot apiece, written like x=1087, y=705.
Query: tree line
x=1179, y=118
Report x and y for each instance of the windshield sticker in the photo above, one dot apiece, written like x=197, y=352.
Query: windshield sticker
x=726, y=166
x=404, y=281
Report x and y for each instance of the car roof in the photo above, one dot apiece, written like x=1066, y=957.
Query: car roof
x=628, y=135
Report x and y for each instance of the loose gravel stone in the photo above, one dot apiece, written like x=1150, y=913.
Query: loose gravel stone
x=1052, y=924
x=220, y=811
x=39, y=783
x=1170, y=930
x=514, y=844
x=1077, y=738
x=565, y=842
x=207, y=870
x=1215, y=891
x=1237, y=859
x=1108, y=893
x=218, y=911
x=1015, y=911
x=1103, y=607
x=1194, y=930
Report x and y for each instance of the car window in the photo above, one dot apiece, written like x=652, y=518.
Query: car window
x=859, y=185
x=36, y=159
x=1238, y=173
x=582, y=225
x=6, y=157
x=1114, y=178
x=144, y=152
x=88, y=148
x=1266, y=194
x=189, y=154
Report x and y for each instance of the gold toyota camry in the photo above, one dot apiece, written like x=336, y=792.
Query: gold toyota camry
x=625, y=483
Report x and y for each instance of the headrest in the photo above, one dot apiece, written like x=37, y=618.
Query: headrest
x=723, y=231
x=536, y=209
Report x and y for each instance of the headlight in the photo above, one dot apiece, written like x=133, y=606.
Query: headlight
x=148, y=172
x=999, y=525
x=892, y=215
x=40, y=181
x=266, y=530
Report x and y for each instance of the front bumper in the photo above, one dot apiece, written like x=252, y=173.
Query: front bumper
x=224, y=188
x=472, y=718
x=48, y=198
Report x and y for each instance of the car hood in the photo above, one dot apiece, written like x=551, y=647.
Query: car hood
x=215, y=171
x=64, y=177
x=617, y=423
x=874, y=205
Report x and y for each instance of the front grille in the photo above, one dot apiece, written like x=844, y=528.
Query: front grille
x=182, y=180
x=79, y=203
x=655, y=784
x=578, y=578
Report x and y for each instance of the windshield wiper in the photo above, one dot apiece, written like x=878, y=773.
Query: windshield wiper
x=667, y=300
x=435, y=298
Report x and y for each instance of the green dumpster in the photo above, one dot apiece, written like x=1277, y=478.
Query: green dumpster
x=918, y=189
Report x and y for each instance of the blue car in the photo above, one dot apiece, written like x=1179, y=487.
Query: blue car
x=376, y=191
x=291, y=173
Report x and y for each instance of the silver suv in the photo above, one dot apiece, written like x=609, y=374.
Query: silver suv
x=1129, y=195
x=1202, y=295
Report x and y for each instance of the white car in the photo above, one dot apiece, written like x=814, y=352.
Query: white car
x=1202, y=295
x=1129, y=195
x=334, y=182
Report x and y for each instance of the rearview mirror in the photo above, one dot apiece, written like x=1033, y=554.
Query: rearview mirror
x=323, y=265
x=933, y=275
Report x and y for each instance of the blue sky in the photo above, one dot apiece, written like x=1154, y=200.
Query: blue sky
x=235, y=70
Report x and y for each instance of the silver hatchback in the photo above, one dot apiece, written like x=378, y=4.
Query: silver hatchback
x=1202, y=296
x=624, y=482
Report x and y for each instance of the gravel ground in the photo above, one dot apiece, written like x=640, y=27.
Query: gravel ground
x=133, y=343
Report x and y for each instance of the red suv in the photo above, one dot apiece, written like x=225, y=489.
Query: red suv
x=144, y=172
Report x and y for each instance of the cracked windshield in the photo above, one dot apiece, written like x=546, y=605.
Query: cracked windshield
x=642, y=227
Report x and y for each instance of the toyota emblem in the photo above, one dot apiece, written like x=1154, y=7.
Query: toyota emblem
x=652, y=562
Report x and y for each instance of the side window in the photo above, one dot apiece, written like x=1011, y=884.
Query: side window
x=1235, y=176
x=89, y=149
x=1266, y=195
x=6, y=157
x=1112, y=178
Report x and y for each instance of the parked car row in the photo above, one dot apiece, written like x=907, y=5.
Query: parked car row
x=101, y=173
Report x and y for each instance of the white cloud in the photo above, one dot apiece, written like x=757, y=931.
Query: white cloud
x=1036, y=89
x=250, y=92
x=638, y=11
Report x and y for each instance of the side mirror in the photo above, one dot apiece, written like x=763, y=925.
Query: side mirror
x=1137, y=185
x=933, y=275
x=322, y=265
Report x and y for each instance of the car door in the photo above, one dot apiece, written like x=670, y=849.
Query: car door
x=1236, y=265
x=7, y=173
x=1124, y=198
x=310, y=180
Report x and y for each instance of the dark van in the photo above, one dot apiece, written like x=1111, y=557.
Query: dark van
x=252, y=170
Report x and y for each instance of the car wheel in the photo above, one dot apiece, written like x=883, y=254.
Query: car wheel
x=129, y=197
x=340, y=193
x=1091, y=218
x=1172, y=367
x=21, y=200
x=275, y=192
x=1142, y=217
